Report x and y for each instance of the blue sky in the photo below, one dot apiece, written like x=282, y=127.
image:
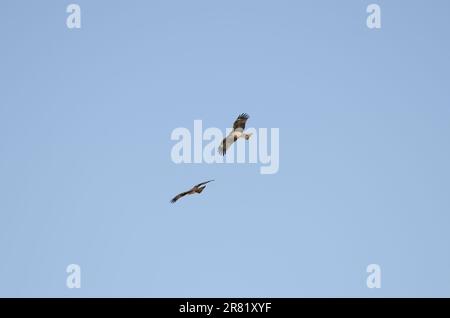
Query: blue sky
x=86, y=174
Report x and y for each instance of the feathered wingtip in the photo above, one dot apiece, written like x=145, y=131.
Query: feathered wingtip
x=243, y=116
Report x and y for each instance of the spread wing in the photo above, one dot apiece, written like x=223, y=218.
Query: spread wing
x=240, y=121
x=226, y=143
x=203, y=183
x=179, y=196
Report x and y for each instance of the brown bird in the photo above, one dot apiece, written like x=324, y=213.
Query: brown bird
x=196, y=189
x=236, y=133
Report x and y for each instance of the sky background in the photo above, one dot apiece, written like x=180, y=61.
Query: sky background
x=86, y=175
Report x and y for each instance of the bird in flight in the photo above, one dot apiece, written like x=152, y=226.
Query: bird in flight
x=238, y=132
x=195, y=189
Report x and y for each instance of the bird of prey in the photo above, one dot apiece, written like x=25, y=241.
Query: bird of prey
x=238, y=132
x=195, y=189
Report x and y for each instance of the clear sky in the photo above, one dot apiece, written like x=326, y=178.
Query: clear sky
x=86, y=174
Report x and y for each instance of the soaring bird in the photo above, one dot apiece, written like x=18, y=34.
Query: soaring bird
x=238, y=132
x=195, y=189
